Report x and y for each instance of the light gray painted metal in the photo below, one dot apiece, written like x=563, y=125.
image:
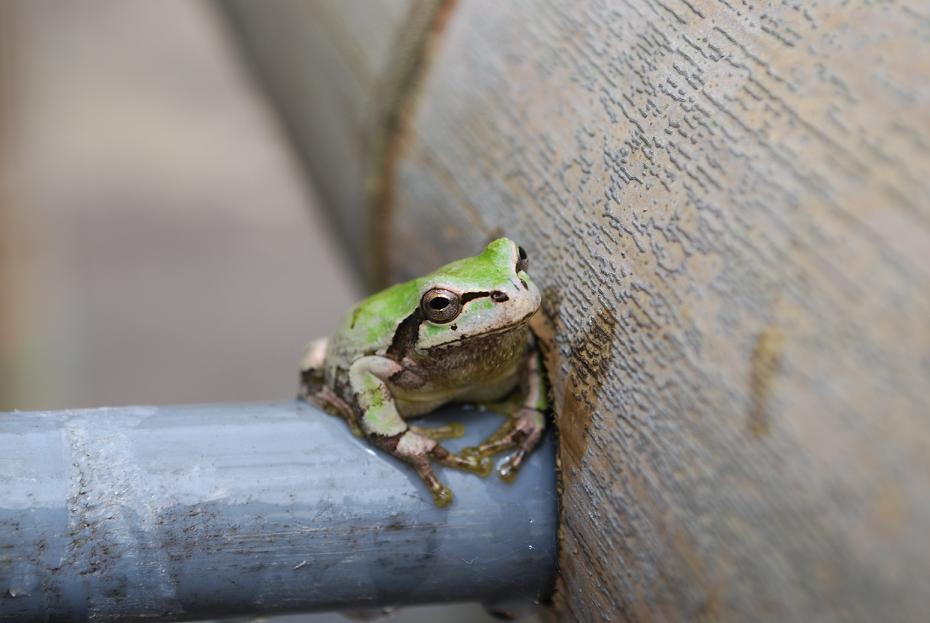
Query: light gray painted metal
x=192, y=512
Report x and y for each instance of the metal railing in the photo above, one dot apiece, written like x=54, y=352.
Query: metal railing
x=191, y=512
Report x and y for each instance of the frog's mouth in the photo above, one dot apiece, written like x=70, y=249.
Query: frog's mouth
x=518, y=324
x=515, y=325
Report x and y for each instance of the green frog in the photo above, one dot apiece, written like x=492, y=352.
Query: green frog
x=458, y=334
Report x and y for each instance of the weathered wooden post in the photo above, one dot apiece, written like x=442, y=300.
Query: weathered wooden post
x=728, y=205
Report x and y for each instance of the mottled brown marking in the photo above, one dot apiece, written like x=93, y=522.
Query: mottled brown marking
x=764, y=367
x=590, y=357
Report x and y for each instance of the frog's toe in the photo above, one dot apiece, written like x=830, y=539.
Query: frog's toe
x=470, y=453
x=477, y=462
x=507, y=472
x=453, y=430
x=467, y=461
x=484, y=466
x=510, y=466
x=442, y=496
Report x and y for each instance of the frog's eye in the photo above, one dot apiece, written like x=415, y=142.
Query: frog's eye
x=523, y=262
x=440, y=305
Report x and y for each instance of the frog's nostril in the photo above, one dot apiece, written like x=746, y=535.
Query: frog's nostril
x=498, y=297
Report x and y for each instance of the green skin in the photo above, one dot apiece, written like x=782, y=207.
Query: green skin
x=459, y=334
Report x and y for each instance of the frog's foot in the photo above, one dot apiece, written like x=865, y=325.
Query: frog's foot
x=474, y=464
x=416, y=449
x=438, y=433
x=523, y=431
x=442, y=495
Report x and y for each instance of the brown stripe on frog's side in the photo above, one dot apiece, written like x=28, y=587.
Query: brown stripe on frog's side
x=405, y=336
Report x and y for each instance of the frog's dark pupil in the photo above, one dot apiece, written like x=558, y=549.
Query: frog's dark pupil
x=439, y=302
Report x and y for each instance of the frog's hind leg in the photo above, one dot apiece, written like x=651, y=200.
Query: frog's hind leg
x=313, y=387
x=333, y=404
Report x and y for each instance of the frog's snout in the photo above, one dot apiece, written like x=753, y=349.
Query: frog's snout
x=520, y=299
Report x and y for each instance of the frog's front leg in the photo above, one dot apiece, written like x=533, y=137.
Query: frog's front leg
x=525, y=427
x=382, y=423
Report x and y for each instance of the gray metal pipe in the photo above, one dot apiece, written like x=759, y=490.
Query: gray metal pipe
x=191, y=512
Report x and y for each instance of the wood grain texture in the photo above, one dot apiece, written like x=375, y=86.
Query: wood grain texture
x=727, y=205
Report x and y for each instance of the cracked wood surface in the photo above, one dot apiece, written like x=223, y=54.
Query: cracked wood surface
x=727, y=206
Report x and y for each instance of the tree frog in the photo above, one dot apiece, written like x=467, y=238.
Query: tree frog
x=459, y=334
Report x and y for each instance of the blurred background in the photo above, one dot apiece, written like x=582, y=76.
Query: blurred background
x=159, y=242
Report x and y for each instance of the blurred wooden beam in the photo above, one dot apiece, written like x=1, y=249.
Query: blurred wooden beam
x=341, y=73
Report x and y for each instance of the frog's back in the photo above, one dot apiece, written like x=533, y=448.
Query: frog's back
x=369, y=327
